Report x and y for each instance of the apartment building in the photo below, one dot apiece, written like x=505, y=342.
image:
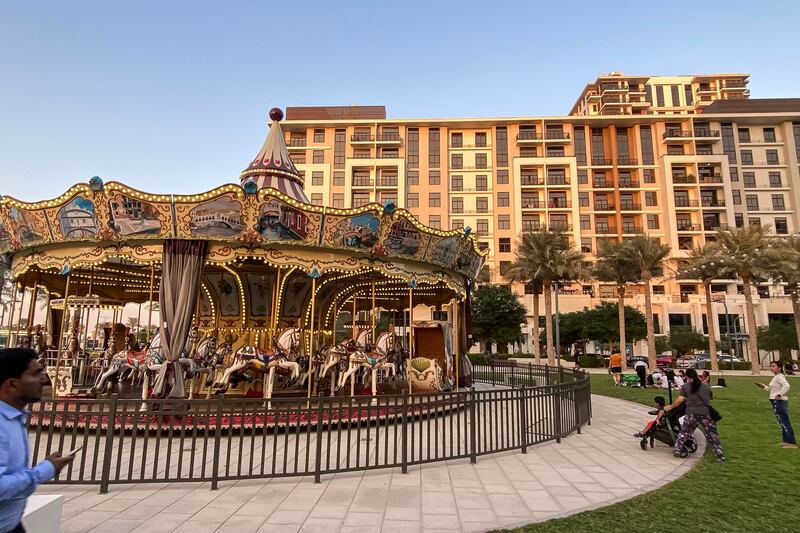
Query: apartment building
x=677, y=173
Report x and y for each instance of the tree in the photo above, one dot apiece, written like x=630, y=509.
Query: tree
x=789, y=272
x=497, y=315
x=706, y=264
x=133, y=323
x=613, y=265
x=601, y=325
x=684, y=340
x=548, y=257
x=748, y=252
x=518, y=272
x=647, y=255
x=778, y=337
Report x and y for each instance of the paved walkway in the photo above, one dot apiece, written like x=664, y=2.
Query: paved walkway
x=600, y=467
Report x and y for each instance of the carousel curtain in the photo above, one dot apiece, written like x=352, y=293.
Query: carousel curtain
x=182, y=268
x=465, y=342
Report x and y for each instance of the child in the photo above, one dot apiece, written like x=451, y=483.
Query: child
x=659, y=405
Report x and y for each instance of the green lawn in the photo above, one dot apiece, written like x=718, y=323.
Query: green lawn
x=757, y=489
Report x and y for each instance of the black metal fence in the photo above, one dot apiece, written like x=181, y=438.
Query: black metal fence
x=136, y=441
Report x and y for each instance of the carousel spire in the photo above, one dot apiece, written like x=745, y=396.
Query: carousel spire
x=273, y=167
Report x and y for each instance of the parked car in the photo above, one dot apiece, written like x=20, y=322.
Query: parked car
x=704, y=360
x=664, y=361
x=632, y=360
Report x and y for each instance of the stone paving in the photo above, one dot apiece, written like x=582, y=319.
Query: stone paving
x=602, y=466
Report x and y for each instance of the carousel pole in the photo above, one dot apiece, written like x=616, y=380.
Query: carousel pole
x=150, y=301
x=11, y=314
x=96, y=324
x=372, y=316
x=86, y=319
x=47, y=321
x=32, y=309
x=19, y=318
x=274, y=314
x=411, y=285
x=310, y=355
x=139, y=317
x=353, y=332
x=61, y=334
x=456, y=337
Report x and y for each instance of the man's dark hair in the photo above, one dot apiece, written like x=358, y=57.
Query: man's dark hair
x=14, y=362
x=660, y=401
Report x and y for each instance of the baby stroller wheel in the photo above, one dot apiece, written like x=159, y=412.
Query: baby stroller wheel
x=691, y=446
x=652, y=442
x=643, y=444
x=684, y=453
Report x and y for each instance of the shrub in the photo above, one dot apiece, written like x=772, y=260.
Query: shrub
x=590, y=362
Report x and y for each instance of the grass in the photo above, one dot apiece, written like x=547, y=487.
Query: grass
x=755, y=490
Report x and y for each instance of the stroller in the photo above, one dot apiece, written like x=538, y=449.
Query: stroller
x=666, y=430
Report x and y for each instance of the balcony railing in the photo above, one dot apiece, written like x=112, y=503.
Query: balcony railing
x=713, y=203
x=362, y=156
x=629, y=206
x=462, y=145
x=531, y=180
x=389, y=155
x=558, y=203
x=601, y=161
x=714, y=178
x=605, y=230
x=557, y=180
x=532, y=204
x=546, y=136
x=714, y=227
x=361, y=137
x=624, y=160
x=531, y=225
x=676, y=134
x=706, y=133
x=734, y=85
x=688, y=227
x=362, y=182
x=603, y=184
x=560, y=226
x=387, y=182
x=628, y=184
x=529, y=136
x=684, y=179
x=389, y=137
x=631, y=229
x=604, y=207
x=680, y=202
x=297, y=142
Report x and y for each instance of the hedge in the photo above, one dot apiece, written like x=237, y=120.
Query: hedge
x=590, y=362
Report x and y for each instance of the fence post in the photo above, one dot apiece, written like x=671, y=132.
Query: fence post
x=530, y=368
x=404, y=434
x=318, y=454
x=589, y=398
x=523, y=420
x=513, y=377
x=473, y=438
x=106, y=471
x=217, y=438
x=491, y=368
x=576, y=402
x=557, y=411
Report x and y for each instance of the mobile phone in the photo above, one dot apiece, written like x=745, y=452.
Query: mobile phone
x=73, y=451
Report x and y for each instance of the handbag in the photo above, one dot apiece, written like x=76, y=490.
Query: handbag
x=716, y=416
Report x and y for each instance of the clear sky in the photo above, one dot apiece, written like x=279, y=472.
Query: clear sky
x=173, y=96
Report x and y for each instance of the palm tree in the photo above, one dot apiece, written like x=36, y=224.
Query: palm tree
x=788, y=271
x=647, y=256
x=705, y=264
x=614, y=266
x=518, y=272
x=748, y=252
x=547, y=256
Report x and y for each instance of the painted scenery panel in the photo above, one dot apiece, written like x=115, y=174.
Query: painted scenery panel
x=205, y=305
x=131, y=216
x=29, y=226
x=221, y=217
x=403, y=239
x=357, y=231
x=278, y=221
x=224, y=285
x=5, y=238
x=260, y=288
x=445, y=251
x=77, y=219
x=295, y=294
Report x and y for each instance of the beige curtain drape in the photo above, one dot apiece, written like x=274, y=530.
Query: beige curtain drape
x=177, y=297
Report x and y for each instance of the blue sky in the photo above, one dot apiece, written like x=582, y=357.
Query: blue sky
x=173, y=96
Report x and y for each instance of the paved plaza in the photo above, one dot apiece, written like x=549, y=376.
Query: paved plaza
x=599, y=467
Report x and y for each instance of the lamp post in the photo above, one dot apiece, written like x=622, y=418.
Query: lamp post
x=558, y=329
x=731, y=346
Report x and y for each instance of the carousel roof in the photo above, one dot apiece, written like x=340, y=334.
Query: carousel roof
x=273, y=167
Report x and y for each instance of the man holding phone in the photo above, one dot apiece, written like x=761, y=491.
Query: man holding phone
x=21, y=381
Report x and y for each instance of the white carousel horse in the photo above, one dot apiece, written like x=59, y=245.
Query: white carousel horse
x=251, y=358
x=130, y=357
x=336, y=360
x=373, y=361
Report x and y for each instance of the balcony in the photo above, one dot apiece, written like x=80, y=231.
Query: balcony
x=714, y=227
x=389, y=138
x=558, y=203
x=684, y=179
x=603, y=184
x=678, y=135
x=631, y=229
x=470, y=146
x=531, y=203
x=614, y=87
x=600, y=161
x=706, y=135
x=713, y=203
x=734, y=85
x=605, y=230
x=627, y=161
x=387, y=182
x=531, y=225
x=361, y=138
x=682, y=202
x=557, y=180
x=547, y=136
x=560, y=226
x=530, y=180
x=629, y=206
x=295, y=142
x=467, y=167
x=359, y=181
x=688, y=226
x=389, y=155
x=711, y=178
x=604, y=207
x=628, y=184
x=362, y=156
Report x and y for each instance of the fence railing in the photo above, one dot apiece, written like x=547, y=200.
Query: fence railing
x=154, y=441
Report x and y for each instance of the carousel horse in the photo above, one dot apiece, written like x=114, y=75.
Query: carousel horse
x=39, y=345
x=250, y=358
x=120, y=361
x=155, y=360
x=336, y=357
x=373, y=361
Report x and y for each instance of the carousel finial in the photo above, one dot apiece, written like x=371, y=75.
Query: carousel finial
x=275, y=114
x=95, y=183
x=389, y=207
x=250, y=186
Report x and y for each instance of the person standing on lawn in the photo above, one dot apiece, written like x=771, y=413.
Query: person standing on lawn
x=778, y=396
x=615, y=366
x=697, y=396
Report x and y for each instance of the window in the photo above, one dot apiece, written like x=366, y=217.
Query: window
x=504, y=244
x=744, y=135
x=734, y=174
x=457, y=205
x=752, y=202
x=434, y=178
x=687, y=92
x=728, y=143
x=435, y=221
x=482, y=204
x=583, y=199
x=586, y=222
x=528, y=151
x=412, y=177
x=749, y=179
x=501, y=146
x=579, y=143
x=583, y=177
x=737, y=197
x=503, y=199
x=777, y=202
x=772, y=157
x=769, y=135
x=319, y=136
x=481, y=183
x=434, y=200
x=781, y=226
x=676, y=96
x=338, y=179
x=747, y=157
x=650, y=198
x=774, y=179
x=555, y=151
x=480, y=161
x=675, y=149
x=482, y=227
x=586, y=245
x=316, y=178
x=796, y=133
x=338, y=148
x=598, y=146
x=739, y=220
x=504, y=222
x=649, y=175
x=652, y=221
x=480, y=139
x=316, y=198
x=412, y=200
x=338, y=201
x=502, y=177
x=456, y=183
x=754, y=221
x=504, y=266
x=433, y=147
x=456, y=140
x=646, y=139
x=660, y=95
x=457, y=161
x=457, y=223
x=412, y=147
x=360, y=199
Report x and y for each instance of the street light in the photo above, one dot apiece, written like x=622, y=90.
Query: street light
x=731, y=347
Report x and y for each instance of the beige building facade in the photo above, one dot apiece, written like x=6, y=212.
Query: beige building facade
x=676, y=172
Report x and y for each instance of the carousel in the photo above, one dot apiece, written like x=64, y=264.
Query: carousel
x=249, y=290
